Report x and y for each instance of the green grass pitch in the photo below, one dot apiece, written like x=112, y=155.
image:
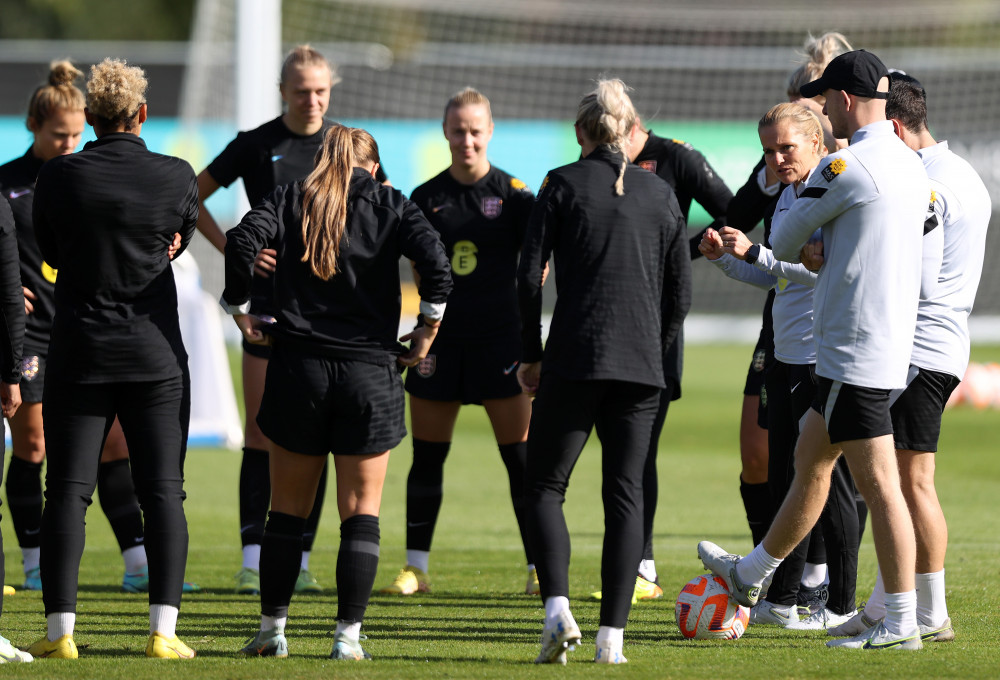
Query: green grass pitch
x=476, y=624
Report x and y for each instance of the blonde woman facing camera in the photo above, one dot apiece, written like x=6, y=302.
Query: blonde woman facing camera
x=792, y=140
x=623, y=279
x=105, y=218
x=480, y=213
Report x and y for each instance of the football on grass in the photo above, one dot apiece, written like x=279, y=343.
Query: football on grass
x=704, y=611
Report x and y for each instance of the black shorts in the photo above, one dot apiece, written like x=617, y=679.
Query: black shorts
x=468, y=371
x=763, y=359
x=317, y=405
x=852, y=412
x=32, y=377
x=259, y=351
x=916, y=411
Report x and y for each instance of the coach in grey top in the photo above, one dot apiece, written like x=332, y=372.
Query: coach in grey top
x=870, y=201
x=940, y=355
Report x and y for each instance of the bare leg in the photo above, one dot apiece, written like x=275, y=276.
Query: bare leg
x=874, y=467
x=510, y=418
x=916, y=470
x=753, y=443
x=814, y=461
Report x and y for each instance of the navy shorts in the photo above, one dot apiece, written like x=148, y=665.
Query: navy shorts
x=317, y=405
x=916, y=410
x=32, y=378
x=468, y=371
x=852, y=412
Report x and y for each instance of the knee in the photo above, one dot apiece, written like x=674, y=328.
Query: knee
x=753, y=458
x=917, y=485
x=30, y=446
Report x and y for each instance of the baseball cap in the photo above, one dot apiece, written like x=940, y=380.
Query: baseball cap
x=856, y=73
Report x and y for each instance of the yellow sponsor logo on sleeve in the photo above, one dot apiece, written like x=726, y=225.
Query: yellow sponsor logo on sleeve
x=49, y=273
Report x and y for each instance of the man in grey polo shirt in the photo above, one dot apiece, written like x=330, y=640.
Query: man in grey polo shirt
x=870, y=200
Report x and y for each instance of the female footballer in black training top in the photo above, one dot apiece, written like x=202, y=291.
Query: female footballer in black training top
x=480, y=212
x=623, y=276
x=106, y=218
x=333, y=382
x=280, y=151
x=56, y=120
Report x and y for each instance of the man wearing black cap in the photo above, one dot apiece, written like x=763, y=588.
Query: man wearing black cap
x=870, y=200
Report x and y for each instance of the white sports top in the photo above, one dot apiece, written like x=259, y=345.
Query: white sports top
x=792, y=314
x=963, y=206
x=870, y=200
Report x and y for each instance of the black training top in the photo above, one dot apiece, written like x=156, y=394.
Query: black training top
x=482, y=227
x=105, y=217
x=267, y=157
x=17, y=184
x=691, y=177
x=688, y=173
x=354, y=315
x=623, y=272
x=11, y=300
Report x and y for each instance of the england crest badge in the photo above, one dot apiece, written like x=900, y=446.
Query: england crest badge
x=427, y=366
x=492, y=206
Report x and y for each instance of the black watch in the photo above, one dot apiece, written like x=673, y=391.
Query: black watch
x=753, y=252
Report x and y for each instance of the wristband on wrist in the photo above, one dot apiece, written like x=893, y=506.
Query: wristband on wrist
x=753, y=252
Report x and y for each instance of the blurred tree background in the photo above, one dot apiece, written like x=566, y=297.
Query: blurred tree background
x=96, y=19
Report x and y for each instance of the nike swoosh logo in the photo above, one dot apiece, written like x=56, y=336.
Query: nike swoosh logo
x=439, y=208
x=17, y=194
x=12, y=657
x=796, y=387
x=417, y=524
x=507, y=371
x=278, y=157
x=891, y=643
x=245, y=527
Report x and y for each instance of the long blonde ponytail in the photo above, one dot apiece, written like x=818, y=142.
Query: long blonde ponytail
x=324, y=195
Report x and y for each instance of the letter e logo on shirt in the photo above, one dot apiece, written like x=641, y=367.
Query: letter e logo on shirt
x=463, y=258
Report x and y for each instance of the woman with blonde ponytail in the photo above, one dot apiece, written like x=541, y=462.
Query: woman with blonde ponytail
x=623, y=275
x=333, y=381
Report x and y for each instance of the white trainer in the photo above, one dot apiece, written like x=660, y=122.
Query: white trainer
x=942, y=633
x=856, y=625
x=768, y=613
x=559, y=637
x=723, y=565
x=877, y=637
x=824, y=619
x=11, y=654
x=609, y=653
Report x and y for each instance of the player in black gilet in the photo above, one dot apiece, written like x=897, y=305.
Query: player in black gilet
x=56, y=120
x=278, y=152
x=480, y=212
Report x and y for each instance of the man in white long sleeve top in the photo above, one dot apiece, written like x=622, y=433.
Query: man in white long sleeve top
x=870, y=201
x=940, y=352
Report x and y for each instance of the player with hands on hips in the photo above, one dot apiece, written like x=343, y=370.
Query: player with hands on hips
x=339, y=235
